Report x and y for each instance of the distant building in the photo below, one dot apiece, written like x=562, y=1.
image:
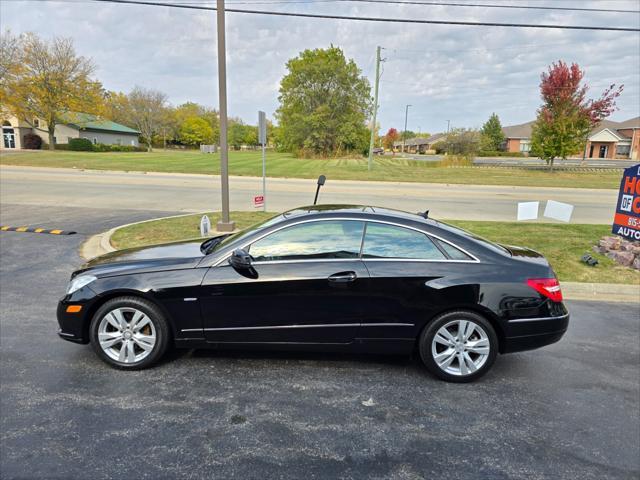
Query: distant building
x=418, y=144
x=608, y=140
x=75, y=125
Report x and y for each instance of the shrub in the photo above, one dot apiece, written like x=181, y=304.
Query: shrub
x=32, y=141
x=80, y=145
x=499, y=153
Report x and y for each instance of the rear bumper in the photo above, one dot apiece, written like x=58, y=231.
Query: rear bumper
x=530, y=333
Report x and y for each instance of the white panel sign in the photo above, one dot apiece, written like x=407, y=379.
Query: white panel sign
x=558, y=210
x=528, y=210
x=262, y=128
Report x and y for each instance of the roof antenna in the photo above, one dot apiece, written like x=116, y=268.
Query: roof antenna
x=424, y=214
x=321, y=180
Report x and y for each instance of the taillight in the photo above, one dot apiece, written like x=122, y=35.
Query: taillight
x=549, y=287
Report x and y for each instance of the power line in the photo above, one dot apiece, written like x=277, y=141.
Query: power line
x=413, y=2
x=491, y=5
x=376, y=19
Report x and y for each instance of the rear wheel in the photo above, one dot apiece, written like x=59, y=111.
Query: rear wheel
x=129, y=333
x=459, y=346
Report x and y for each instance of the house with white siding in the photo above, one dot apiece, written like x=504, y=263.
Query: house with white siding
x=74, y=125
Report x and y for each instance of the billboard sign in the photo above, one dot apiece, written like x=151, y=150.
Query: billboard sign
x=626, y=221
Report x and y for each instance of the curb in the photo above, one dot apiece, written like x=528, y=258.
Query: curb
x=601, y=292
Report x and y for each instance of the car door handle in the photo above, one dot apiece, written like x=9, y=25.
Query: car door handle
x=343, y=277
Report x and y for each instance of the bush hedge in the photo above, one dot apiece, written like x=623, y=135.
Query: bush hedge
x=80, y=145
x=500, y=153
x=32, y=141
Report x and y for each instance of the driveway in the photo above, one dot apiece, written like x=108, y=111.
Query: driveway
x=197, y=193
x=569, y=411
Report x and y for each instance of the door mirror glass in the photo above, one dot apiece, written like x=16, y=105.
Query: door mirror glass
x=240, y=259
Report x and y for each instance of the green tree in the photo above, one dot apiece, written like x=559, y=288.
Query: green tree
x=324, y=104
x=463, y=142
x=196, y=131
x=491, y=135
x=50, y=82
x=191, y=109
x=564, y=120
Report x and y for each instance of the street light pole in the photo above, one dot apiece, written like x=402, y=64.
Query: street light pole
x=225, y=224
x=375, y=109
x=404, y=133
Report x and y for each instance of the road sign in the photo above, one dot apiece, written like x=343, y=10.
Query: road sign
x=262, y=139
x=262, y=128
x=258, y=201
x=626, y=221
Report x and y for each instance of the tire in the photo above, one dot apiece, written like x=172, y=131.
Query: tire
x=477, y=352
x=137, y=343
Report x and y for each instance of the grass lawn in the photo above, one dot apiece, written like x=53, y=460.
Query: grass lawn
x=285, y=165
x=562, y=244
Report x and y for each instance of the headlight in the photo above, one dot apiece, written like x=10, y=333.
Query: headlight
x=78, y=282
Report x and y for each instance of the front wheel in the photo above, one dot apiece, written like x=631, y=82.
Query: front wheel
x=129, y=333
x=459, y=346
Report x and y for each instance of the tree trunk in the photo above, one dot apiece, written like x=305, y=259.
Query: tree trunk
x=551, y=164
x=52, y=129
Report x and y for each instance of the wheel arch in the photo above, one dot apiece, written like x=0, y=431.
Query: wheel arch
x=487, y=314
x=111, y=294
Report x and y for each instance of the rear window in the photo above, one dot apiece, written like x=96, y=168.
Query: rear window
x=452, y=252
x=389, y=241
x=483, y=241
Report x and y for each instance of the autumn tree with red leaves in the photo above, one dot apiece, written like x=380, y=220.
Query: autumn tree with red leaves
x=391, y=136
x=566, y=117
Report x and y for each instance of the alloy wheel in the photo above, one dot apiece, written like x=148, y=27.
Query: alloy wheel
x=460, y=347
x=126, y=335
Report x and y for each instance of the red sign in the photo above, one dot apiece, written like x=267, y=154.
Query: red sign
x=258, y=200
x=626, y=221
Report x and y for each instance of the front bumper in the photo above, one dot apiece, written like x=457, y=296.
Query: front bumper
x=74, y=327
x=529, y=333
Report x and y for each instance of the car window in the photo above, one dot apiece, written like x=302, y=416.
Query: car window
x=388, y=241
x=454, y=253
x=311, y=240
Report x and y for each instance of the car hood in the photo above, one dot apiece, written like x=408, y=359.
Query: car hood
x=170, y=256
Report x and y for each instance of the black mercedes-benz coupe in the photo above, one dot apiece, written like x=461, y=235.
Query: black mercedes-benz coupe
x=322, y=278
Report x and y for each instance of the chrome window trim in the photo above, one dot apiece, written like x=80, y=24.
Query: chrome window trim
x=537, y=319
x=474, y=259
x=282, y=327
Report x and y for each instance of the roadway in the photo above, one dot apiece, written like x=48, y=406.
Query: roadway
x=568, y=411
x=161, y=192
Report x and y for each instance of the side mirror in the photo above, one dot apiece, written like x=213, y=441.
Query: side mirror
x=240, y=259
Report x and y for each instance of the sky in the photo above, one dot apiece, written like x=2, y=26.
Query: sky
x=456, y=73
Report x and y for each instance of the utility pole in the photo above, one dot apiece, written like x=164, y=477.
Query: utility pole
x=448, y=123
x=404, y=132
x=375, y=108
x=225, y=224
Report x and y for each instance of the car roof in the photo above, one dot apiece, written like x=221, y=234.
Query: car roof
x=356, y=211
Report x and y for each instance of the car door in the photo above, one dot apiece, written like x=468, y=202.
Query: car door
x=308, y=287
x=403, y=263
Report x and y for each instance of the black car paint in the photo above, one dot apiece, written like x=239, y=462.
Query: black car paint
x=210, y=304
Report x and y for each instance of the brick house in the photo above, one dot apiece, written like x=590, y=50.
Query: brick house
x=609, y=139
x=419, y=144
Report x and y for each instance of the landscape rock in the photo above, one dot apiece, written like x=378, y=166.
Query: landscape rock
x=623, y=252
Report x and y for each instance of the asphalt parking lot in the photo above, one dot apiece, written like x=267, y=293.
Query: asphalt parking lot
x=570, y=410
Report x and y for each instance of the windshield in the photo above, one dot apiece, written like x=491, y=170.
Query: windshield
x=216, y=243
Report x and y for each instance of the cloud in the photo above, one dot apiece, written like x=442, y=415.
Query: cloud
x=462, y=74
